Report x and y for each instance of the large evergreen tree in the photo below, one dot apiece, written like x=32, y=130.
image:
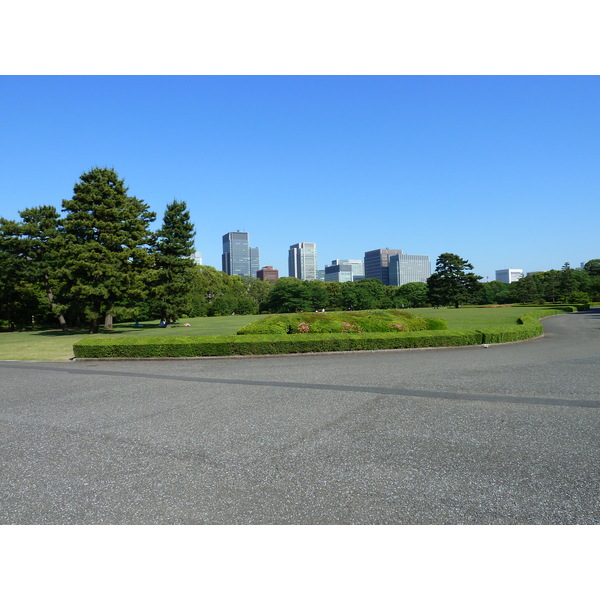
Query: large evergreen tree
x=32, y=246
x=174, y=265
x=451, y=284
x=568, y=283
x=41, y=238
x=15, y=306
x=105, y=258
x=527, y=290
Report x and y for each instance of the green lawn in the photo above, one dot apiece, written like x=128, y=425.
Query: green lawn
x=56, y=345
x=472, y=318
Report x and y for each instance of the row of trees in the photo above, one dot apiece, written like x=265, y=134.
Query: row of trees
x=452, y=284
x=566, y=285
x=101, y=262
x=213, y=292
x=98, y=262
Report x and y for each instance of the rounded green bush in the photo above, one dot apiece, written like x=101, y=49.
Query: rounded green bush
x=373, y=321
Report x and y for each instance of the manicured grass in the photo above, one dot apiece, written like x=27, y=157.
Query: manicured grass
x=43, y=345
x=472, y=318
x=58, y=346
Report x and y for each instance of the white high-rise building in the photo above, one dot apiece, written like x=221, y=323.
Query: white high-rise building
x=302, y=261
x=509, y=275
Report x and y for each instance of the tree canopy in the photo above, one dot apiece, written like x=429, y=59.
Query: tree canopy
x=172, y=249
x=451, y=284
x=593, y=267
x=104, y=257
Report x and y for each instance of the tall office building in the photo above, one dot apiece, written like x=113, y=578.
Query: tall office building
x=254, y=261
x=509, y=275
x=408, y=268
x=238, y=258
x=377, y=264
x=302, y=261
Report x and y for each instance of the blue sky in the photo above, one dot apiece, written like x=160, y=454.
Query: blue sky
x=502, y=170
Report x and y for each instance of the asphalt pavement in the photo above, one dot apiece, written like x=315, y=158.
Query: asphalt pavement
x=506, y=434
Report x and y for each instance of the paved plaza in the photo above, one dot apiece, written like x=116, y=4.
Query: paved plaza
x=501, y=435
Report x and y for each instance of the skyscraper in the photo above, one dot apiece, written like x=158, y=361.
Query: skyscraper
x=377, y=263
x=254, y=261
x=238, y=258
x=408, y=268
x=302, y=261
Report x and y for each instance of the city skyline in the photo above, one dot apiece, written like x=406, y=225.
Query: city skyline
x=500, y=170
x=392, y=252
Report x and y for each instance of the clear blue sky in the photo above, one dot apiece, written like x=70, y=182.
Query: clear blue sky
x=502, y=170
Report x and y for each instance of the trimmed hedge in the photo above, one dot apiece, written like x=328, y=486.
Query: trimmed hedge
x=232, y=345
x=528, y=326
x=500, y=335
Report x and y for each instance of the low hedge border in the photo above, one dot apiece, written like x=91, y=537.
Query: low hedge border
x=232, y=345
x=528, y=326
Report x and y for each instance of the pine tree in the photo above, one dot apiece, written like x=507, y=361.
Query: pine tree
x=32, y=245
x=105, y=258
x=174, y=265
x=41, y=229
x=568, y=283
x=451, y=283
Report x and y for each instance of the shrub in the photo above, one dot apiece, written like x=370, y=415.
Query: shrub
x=266, y=344
x=434, y=323
x=579, y=298
x=343, y=322
x=499, y=335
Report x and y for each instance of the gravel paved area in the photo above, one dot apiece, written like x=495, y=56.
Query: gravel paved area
x=500, y=435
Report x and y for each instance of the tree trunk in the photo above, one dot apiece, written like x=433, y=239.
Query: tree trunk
x=93, y=325
x=61, y=319
x=108, y=322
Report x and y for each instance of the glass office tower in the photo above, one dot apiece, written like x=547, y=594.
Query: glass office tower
x=302, y=261
x=408, y=268
x=238, y=258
